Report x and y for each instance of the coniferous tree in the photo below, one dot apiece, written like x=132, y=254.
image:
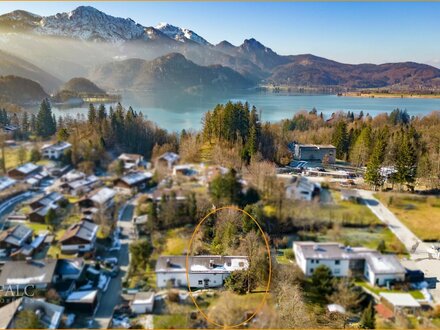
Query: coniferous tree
x=340, y=140
x=406, y=162
x=45, y=122
x=91, y=117
x=368, y=318
x=373, y=175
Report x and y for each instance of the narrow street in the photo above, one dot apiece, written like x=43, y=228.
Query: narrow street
x=416, y=247
x=112, y=297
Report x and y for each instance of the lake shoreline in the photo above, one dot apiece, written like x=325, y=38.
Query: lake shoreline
x=390, y=96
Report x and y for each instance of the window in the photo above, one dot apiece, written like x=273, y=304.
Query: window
x=229, y=264
x=241, y=264
x=337, y=271
x=337, y=262
x=312, y=261
x=317, y=261
x=200, y=282
x=311, y=270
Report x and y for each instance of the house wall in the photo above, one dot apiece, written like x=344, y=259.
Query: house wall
x=302, y=153
x=73, y=248
x=382, y=279
x=178, y=278
x=142, y=308
x=338, y=270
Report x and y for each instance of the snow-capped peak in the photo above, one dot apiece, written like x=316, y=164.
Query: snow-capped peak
x=88, y=23
x=180, y=34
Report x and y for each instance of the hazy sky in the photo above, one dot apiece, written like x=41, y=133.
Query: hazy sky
x=347, y=32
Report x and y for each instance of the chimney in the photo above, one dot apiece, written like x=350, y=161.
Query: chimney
x=168, y=262
x=211, y=263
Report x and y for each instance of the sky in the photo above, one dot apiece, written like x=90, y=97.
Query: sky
x=364, y=32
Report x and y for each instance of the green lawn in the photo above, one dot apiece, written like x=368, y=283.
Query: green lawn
x=177, y=241
x=37, y=227
x=416, y=212
x=377, y=290
x=175, y=321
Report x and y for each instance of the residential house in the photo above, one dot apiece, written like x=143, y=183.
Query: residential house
x=142, y=303
x=101, y=198
x=303, y=189
x=168, y=159
x=48, y=314
x=82, y=301
x=131, y=160
x=206, y=271
x=184, y=169
x=25, y=171
x=41, y=206
x=315, y=152
x=18, y=275
x=377, y=268
x=69, y=269
x=80, y=237
x=27, y=250
x=55, y=150
x=15, y=237
x=6, y=183
x=133, y=181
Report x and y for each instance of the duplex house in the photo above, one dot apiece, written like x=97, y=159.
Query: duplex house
x=48, y=314
x=18, y=275
x=314, y=152
x=133, y=181
x=55, y=150
x=80, y=237
x=377, y=268
x=205, y=271
x=131, y=160
x=15, y=237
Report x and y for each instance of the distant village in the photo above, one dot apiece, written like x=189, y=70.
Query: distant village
x=102, y=247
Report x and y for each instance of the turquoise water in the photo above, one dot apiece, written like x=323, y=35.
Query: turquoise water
x=175, y=112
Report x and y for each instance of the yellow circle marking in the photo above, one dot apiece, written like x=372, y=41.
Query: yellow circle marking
x=266, y=292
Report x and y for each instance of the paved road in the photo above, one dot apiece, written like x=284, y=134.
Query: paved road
x=418, y=249
x=112, y=296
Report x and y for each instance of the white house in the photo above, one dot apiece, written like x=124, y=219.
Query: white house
x=377, y=268
x=206, y=271
x=131, y=160
x=303, y=189
x=143, y=302
x=55, y=150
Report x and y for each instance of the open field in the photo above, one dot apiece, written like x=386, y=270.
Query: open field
x=177, y=241
x=418, y=213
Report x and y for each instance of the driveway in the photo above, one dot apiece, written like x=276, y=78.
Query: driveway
x=112, y=297
x=416, y=247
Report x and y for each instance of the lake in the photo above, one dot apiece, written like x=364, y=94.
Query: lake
x=175, y=112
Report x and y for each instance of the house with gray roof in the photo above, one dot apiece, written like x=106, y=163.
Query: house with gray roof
x=49, y=315
x=80, y=237
x=17, y=275
x=377, y=268
x=205, y=271
x=55, y=150
x=133, y=181
x=15, y=237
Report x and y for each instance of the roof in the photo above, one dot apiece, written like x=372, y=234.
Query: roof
x=88, y=296
x=314, y=250
x=50, y=316
x=49, y=199
x=384, y=263
x=143, y=298
x=73, y=175
x=136, y=177
x=16, y=235
x=85, y=230
x=132, y=157
x=59, y=146
x=28, y=272
x=170, y=157
x=70, y=266
x=202, y=263
x=6, y=182
x=400, y=299
x=101, y=196
x=75, y=184
x=42, y=211
x=27, y=168
x=317, y=146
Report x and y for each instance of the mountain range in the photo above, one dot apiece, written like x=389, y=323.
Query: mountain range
x=118, y=53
